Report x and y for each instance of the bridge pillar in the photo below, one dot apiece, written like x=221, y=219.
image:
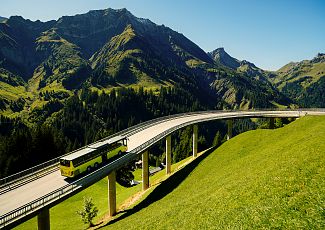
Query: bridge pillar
x=112, y=193
x=168, y=154
x=271, y=123
x=43, y=219
x=230, y=123
x=145, y=170
x=195, y=137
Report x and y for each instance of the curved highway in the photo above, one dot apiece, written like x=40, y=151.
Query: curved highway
x=46, y=189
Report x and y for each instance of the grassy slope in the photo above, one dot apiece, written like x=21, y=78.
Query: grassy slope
x=305, y=68
x=259, y=179
x=63, y=216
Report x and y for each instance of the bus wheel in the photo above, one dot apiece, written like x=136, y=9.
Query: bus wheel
x=96, y=165
x=88, y=169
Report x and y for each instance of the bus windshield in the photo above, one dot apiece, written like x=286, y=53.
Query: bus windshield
x=65, y=163
x=122, y=142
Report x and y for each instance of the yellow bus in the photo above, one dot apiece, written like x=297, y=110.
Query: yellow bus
x=93, y=156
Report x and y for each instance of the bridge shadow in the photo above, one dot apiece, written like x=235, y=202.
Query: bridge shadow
x=163, y=188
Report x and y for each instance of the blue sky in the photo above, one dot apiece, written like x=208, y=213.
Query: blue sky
x=269, y=33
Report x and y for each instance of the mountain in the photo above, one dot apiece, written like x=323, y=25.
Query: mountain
x=220, y=56
x=240, y=91
x=145, y=53
x=92, y=30
x=106, y=49
x=62, y=61
x=303, y=81
x=248, y=82
x=294, y=71
x=3, y=19
x=27, y=45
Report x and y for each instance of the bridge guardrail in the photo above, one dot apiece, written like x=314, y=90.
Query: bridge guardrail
x=105, y=170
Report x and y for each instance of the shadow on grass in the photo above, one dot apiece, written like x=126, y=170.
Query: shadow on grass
x=164, y=188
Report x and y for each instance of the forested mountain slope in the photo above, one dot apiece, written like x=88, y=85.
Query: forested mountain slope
x=105, y=49
x=304, y=81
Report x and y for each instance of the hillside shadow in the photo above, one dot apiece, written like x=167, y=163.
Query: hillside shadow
x=164, y=188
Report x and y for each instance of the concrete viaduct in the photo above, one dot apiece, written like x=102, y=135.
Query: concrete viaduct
x=34, y=191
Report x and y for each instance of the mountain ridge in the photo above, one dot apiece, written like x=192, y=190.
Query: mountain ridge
x=3, y=19
x=303, y=81
x=222, y=57
x=105, y=49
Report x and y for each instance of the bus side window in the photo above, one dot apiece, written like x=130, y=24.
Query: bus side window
x=91, y=155
x=104, y=148
x=75, y=162
x=118, y=144
x=112, y=146
x=83, y=159
x=94, y=154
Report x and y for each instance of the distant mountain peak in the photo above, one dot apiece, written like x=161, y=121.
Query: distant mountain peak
x=3, y=19
x=220, y=49
x=111, y=12
x=221, y=56
x=244, y=62
x=319, y=58
x=108, y=11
